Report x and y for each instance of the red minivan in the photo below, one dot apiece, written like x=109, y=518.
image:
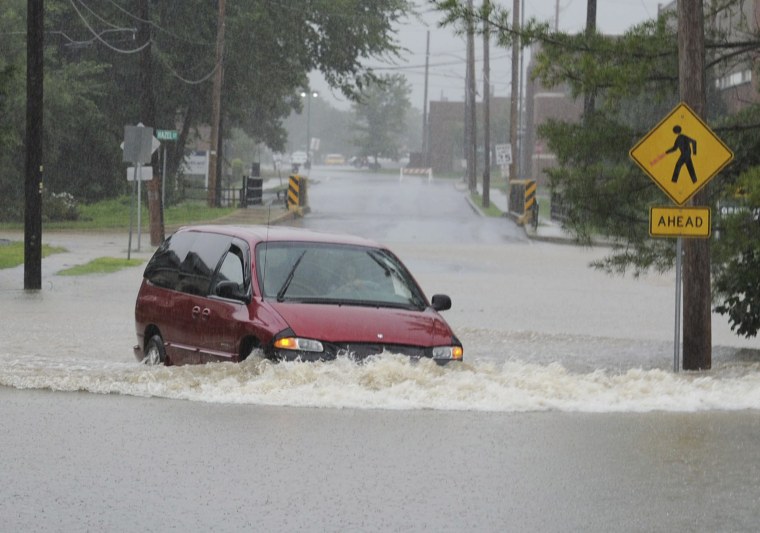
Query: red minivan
x=220, y=293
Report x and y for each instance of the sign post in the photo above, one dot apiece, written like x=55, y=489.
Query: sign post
x=138, y=147
x=681, y=154
x=165, y=135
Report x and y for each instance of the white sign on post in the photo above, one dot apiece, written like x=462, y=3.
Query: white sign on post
x=138, y=144
x=146, y=173
x=503, y=154
x=138, y=147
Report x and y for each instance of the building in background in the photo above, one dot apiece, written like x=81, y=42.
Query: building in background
x=735, y=77
x=446, y=133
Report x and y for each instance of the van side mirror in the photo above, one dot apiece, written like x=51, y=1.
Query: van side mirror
x=441, y=302
x=231, y=290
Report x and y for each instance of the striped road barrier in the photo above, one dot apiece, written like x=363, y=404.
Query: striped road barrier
x=522, y=200
x=415, y=172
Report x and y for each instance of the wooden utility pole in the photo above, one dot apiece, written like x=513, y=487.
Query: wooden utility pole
x=148, y=117
x=697, y=329
x=471, y=122
x=425, y=131
x=486, y=107
x=513, y=120
x=35, y=26
x=589, y=98
x=216, y=109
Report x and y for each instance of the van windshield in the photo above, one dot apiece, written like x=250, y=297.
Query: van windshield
x=335, y=274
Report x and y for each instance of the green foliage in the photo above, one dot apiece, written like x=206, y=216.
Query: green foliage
x=641, y=61
x=12, y=254
x=605, y=193
x=741, y=291
x=736, y=255
x=12, y=108
x=115, y=213
x=633, y=79
x=101, y=265
x=58, y=207
x=380, y=116
x=97, y=79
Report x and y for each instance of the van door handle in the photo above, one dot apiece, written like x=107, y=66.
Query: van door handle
x=196, y=311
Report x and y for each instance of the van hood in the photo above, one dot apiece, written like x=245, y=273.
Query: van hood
x=359, y=324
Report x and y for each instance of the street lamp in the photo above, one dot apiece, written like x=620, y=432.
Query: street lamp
x=310, y=95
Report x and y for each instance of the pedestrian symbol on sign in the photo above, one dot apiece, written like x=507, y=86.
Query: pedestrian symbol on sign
x=688, y=147
x=652, y=154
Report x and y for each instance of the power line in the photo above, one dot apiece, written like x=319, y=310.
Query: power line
x=446, y=64
x=103, y=41
x=158, y=27
x=181, y=78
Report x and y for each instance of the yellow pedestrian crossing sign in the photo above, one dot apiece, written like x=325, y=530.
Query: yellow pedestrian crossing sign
x=681, y=154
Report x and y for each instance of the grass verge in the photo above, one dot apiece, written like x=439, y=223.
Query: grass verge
x=12, y=254
x=101, y=265
x=115, y=214
x=490, y=211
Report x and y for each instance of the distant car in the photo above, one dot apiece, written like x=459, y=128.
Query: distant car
x=335, y=159
x=299, y=158
x=358, y=162
x=220, y=293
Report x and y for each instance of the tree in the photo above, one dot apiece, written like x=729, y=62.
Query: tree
x=380, y=117
x=736, y=248
x=93, y=83
x=12, y=109
x=635, y=80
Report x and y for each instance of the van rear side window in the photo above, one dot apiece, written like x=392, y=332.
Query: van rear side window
x=186, y=261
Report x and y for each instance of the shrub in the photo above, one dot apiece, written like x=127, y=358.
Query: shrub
x=58, y=206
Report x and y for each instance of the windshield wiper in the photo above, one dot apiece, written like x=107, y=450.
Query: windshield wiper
x=380, y=262
x=390, y=270
x=284, y=288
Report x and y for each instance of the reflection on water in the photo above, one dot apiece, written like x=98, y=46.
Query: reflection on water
x=395, y=382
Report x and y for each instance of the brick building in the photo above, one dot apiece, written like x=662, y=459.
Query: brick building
x=446, y=132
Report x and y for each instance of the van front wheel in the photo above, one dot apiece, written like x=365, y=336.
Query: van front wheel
x=155, y=353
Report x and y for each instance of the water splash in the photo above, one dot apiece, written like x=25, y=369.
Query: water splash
x=394, y=382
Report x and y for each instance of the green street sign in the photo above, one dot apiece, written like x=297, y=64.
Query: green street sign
x=166, y=135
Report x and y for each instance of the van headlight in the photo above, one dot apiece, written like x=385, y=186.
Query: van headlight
x=448, y=352
x=298, y=344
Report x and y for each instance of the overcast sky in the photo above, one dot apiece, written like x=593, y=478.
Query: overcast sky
x=447, y=50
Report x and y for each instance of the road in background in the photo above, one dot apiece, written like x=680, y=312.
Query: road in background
x=391, y=209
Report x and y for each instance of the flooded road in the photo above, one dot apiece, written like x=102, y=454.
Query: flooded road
x=565, y=415
x=79, y=462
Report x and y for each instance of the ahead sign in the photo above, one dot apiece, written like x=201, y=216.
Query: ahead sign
x=681, y=154
x=679, y=222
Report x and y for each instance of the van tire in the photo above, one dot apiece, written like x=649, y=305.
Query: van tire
x=155, y=353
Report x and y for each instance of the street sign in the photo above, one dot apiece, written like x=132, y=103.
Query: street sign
x=681, y=154
x=137, y=144
x=145, y=174
x=166, y=135
x=679, y=222
x=503, y=154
